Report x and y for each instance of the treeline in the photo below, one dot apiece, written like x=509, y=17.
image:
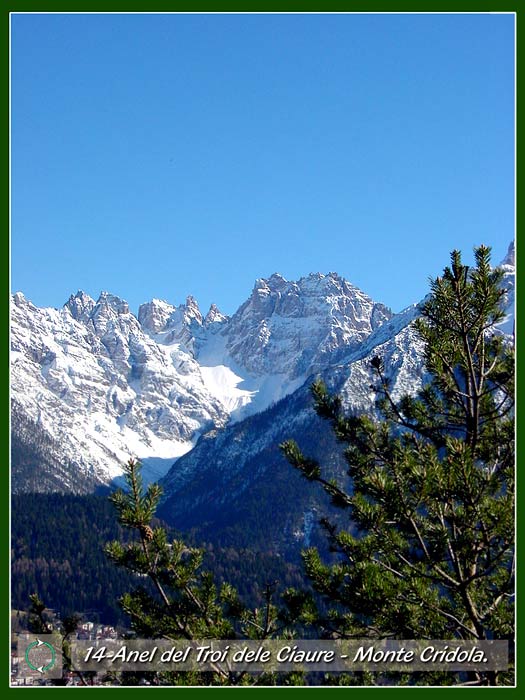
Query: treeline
x=37, y=464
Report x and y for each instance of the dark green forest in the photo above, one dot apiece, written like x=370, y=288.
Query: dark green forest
x=57, y=551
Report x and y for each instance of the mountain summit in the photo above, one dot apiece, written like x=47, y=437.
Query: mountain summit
x=95, y=384
x=291, y=327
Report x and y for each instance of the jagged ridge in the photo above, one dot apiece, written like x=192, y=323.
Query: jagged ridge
x=105, y=384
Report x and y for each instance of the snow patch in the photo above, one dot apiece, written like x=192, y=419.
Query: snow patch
x=222, y=382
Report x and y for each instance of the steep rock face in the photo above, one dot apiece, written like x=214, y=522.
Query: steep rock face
x=80, y=306
x=90, y=377
x=168, y=324
x=291, y=327
x=214, y=316
x=154, y=315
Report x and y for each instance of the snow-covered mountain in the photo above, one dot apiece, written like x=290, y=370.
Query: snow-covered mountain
x=102, y=389
x=283, y=333
x=101, y=384
x=229, y=460
x=92, y=384
x=291, y=327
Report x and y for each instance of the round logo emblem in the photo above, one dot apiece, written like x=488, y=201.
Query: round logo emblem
x=40, y=656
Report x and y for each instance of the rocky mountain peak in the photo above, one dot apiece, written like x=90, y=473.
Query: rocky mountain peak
x=214, y=315
x=112, y=302
x=191, y=311
x=154, y=315
x=510, y=258
x=286, y=327
x=111, y=314
x=275, y=281
x=19, y=299
x=80, y=305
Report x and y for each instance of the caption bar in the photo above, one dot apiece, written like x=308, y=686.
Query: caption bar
x=272, y=655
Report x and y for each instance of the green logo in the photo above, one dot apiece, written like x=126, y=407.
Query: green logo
x=40, y=656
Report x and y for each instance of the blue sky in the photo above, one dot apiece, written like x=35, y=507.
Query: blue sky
x=167, y=155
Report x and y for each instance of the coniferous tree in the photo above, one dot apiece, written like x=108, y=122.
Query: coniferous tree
x=185, y=603
x=430, y=549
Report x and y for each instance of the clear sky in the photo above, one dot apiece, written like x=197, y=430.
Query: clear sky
x=167, y=155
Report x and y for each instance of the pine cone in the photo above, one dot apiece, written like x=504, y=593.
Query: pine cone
x=146, y=532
